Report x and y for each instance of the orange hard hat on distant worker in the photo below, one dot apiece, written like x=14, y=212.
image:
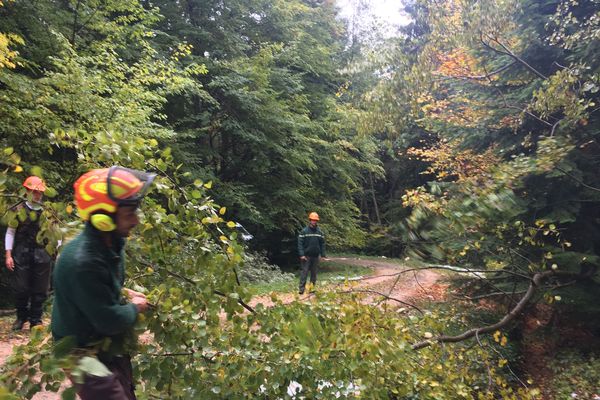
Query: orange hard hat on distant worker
x=313, y=216
x=35, y=183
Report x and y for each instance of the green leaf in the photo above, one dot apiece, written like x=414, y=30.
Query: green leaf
x=50, y=192
x=64, y=346
x=92, y=366
x=69, y=394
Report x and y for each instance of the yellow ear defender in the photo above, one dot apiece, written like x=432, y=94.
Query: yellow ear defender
x=103, y=222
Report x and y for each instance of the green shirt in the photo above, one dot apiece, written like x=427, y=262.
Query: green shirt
x=88, y=279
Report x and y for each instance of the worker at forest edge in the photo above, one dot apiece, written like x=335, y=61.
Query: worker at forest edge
x=311, y=246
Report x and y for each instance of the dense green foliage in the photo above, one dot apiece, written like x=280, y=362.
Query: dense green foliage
x=269, y=130
x=497, y=101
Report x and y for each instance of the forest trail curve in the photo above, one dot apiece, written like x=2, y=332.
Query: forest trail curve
x=388, y=279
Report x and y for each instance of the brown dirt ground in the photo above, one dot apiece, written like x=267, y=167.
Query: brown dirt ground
x=400, y=289
x=10, y=339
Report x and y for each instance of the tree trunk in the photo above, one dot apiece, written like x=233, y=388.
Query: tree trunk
x=375, y=207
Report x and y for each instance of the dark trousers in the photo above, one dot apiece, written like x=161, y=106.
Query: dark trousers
x=312, y=264
x=31, y=281
x=117, y=386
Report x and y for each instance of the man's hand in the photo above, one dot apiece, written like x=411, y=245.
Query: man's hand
x=133, y=294
x=303, y=258
x=10, y=263
x=141, y=303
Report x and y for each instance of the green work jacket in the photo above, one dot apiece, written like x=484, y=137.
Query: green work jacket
x=88, y=279
x=311, y=242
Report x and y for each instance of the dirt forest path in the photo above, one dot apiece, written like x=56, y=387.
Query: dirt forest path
x=387, y=279
x=410, y=287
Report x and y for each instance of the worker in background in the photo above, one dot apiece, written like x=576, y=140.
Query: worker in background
x=311, y=247
x=28, y=259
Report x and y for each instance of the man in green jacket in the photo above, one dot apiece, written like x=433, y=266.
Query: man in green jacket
x=311, y=246
x=88, y=279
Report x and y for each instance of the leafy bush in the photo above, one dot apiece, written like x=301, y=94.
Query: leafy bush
x=256, y=269
x=576, y=376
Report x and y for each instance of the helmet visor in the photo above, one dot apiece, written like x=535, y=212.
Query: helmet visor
x=127, y=186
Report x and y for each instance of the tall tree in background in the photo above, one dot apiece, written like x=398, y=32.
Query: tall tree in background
x=270, y=132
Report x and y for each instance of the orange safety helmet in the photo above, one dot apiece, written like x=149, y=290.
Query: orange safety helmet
x=101, y=191
x=35, y=183
x=313, y=216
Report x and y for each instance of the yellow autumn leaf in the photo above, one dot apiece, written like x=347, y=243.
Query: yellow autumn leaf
x=497, y=336
x=231, y=224
x=222, y=210
x=69, y=209
x=208, y=184
x=18, y=168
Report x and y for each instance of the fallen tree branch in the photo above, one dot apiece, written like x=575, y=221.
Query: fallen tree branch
x=533, y=286
x=460, y=270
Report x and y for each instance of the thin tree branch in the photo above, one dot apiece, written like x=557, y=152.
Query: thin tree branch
x=191, y=282
x=382, y=295
x=486, y=76
x=577, y=180
x=524, y=110
x=484, y=296
x=185, y=354
x=240, y=302
x=554, y=127
x=510, y=53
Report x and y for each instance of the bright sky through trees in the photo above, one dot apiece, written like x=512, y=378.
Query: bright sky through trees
x=389, y=11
